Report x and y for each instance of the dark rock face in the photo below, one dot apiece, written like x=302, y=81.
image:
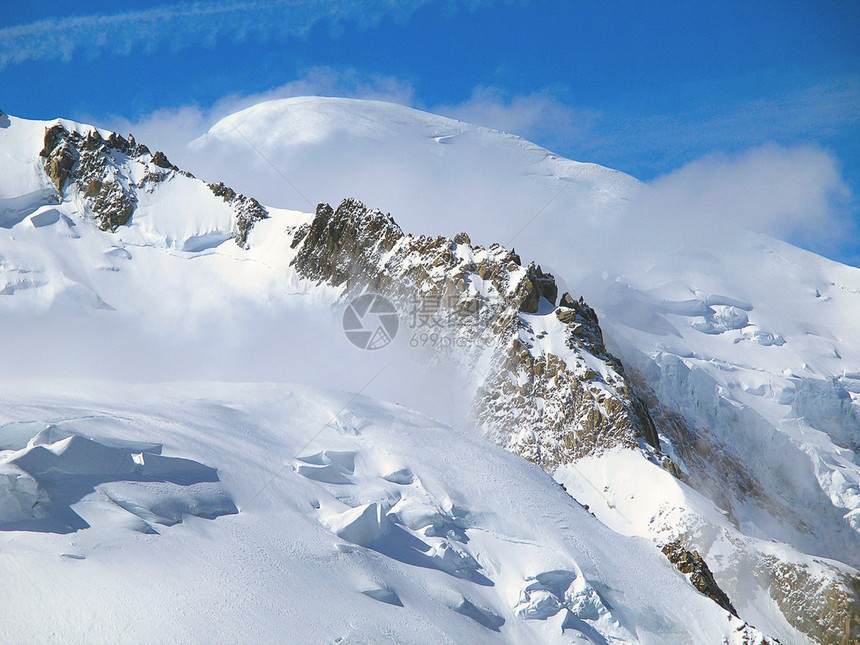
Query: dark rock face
x=248, y=210
x=690, y=562
x=160, y=160
x=584, y=332
x=827, y=609
x=582, y=322
x=671, y=467
x=86, y=164
x=537, y=285
x=60, y=156
x=531, y=402
x=345, y=246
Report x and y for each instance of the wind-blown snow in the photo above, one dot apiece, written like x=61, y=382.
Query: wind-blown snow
x=434, y=174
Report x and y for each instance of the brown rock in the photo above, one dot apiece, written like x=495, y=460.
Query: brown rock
x=691, y=563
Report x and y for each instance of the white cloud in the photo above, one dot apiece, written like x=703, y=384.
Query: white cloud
x=792, y=193
x=541, y=116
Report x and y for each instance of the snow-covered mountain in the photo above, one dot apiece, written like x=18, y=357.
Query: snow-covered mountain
x=708, y=402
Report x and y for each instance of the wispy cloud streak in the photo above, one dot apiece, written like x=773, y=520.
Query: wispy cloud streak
x=195, y=23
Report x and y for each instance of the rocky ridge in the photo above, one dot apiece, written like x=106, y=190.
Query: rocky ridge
x=550, y=405
x=104, y=176
x=248, y=210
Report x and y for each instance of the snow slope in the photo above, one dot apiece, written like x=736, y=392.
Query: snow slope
x=739, y=339
x=360, y=522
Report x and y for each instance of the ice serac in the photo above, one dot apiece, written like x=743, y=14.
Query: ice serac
x=465, y=543
x=44, y=481
x=548, y=389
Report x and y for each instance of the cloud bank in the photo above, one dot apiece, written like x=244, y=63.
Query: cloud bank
x=795, y=193
x=792, y=193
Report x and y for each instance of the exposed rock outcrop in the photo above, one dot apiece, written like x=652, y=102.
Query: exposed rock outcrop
x=86, y=166
x=99, y=173
x=824, y=608
x=546, y=403
x=347, y=246
x=690, y=563
x=248, y=211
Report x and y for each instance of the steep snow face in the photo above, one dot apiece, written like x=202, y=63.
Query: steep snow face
x=360, y=522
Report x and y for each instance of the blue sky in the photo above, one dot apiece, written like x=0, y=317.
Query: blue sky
x=645, y=88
